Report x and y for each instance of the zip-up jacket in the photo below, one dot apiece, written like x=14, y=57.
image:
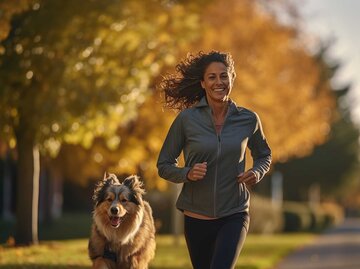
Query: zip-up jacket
x=193, y=131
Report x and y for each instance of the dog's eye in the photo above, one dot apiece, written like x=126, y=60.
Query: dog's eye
x=109, y=199
x=123, y=201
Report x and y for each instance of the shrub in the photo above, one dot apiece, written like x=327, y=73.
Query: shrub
x=297, y=217
x=333, y=213
x=317, y=219
x=265, y=217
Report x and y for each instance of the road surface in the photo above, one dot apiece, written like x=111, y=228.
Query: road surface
x=338, y=248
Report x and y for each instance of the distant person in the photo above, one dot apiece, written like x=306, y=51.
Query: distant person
x=213, y=133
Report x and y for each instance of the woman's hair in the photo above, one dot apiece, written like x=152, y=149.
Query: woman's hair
x=183, y=89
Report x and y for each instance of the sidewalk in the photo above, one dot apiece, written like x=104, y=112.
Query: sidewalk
x=338, y=248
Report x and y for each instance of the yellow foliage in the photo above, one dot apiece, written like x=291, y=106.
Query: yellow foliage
x=276, y=76
x=9, y=9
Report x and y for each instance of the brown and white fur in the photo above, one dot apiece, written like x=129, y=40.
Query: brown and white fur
x=123, y=231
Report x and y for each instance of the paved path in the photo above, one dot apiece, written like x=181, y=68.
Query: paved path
x=338, y=248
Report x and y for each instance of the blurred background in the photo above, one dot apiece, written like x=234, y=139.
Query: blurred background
x=78, y=97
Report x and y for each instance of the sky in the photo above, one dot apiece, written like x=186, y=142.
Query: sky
x=339, y=20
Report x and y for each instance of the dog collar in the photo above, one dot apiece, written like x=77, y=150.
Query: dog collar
x=108, y=254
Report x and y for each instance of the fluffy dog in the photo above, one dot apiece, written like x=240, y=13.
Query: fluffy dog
x=123, y=231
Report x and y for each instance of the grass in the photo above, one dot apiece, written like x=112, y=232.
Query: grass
x=70, y=226
x=259, y=252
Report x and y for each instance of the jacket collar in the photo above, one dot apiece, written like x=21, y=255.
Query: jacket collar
x=203, y=102
x=232, y=107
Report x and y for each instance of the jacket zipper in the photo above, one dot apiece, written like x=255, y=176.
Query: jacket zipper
x=218, y=135
x=216, y=170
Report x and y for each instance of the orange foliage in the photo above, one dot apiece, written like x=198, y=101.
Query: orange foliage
x=276, y=75
x=137, y=153
x=8, y=10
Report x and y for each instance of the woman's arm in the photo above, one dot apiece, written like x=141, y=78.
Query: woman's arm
x=167, y=163
x=260, y=151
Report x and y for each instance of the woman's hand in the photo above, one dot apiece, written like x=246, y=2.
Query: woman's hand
x=197, y=172
x=248, y=177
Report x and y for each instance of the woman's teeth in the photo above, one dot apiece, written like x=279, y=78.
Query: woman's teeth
x=218, y=90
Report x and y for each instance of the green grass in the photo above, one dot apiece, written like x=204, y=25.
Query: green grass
x=70, y=226
x=59, y=248
x=260, y=252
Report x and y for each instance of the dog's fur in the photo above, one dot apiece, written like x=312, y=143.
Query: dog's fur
x=123, y=231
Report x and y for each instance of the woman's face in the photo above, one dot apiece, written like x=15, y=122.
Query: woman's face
x=217, y=82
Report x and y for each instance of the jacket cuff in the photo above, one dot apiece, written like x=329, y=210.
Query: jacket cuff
x=185, y=172
x=257, y=175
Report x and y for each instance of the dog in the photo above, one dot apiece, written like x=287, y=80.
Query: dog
x=123, y=230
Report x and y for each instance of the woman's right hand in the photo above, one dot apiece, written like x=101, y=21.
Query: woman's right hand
x=197, y=172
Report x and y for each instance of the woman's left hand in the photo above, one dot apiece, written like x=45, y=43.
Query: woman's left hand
x=248, y=177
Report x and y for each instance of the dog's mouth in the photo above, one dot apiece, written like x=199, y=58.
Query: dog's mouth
x=116, y=221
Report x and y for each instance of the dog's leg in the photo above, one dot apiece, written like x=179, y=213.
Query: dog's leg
x=101, y=263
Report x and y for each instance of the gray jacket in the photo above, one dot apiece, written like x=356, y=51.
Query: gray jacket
x=218, y=194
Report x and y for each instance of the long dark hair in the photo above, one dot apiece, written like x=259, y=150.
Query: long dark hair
x=183, y=89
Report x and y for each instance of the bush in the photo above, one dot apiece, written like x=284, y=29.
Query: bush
x=333, y=214
x=162, y=204
x=317, y=215
x=265, y=218
x=297, y=217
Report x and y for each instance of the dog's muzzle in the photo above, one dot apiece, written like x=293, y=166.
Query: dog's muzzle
x=115, y=219
x=114, y=210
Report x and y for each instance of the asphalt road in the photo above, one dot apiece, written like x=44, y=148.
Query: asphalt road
x=338, y=248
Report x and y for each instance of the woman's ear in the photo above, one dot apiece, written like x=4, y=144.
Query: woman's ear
x=202, y=84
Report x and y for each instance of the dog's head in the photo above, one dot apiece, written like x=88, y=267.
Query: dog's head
x=115, y=200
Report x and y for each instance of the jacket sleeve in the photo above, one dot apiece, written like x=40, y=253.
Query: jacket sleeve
x=260, y=151
x=167, y=163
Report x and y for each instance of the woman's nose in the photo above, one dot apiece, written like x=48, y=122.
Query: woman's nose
x=218, y=81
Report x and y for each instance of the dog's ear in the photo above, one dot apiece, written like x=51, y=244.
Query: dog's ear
x=136, y=186
x=102, y=185
x=133, y=182
x=111, y=179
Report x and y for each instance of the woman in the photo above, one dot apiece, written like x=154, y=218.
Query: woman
x=213, y=134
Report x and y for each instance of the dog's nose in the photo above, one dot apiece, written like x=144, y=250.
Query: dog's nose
x=114, y=210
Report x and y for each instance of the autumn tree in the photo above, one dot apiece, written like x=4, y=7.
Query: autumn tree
x=78, y=75
x=7, y=10
x=137, y=152
x=334, y=165
x=277, y=77
x=276, y=74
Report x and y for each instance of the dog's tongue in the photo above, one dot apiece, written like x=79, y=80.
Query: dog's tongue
x=115, y=221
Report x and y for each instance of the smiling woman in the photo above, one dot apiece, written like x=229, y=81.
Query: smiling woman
x=184, y=88
x=213, y=133
x=217, y=85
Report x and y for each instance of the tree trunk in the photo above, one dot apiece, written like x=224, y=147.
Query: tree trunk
x=7, y=189
x=56, y=192
x=27, y=194
x=51, y=192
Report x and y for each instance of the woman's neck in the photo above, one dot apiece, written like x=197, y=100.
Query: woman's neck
x=219, y=109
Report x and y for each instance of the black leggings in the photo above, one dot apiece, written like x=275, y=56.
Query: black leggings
x=216, y=244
